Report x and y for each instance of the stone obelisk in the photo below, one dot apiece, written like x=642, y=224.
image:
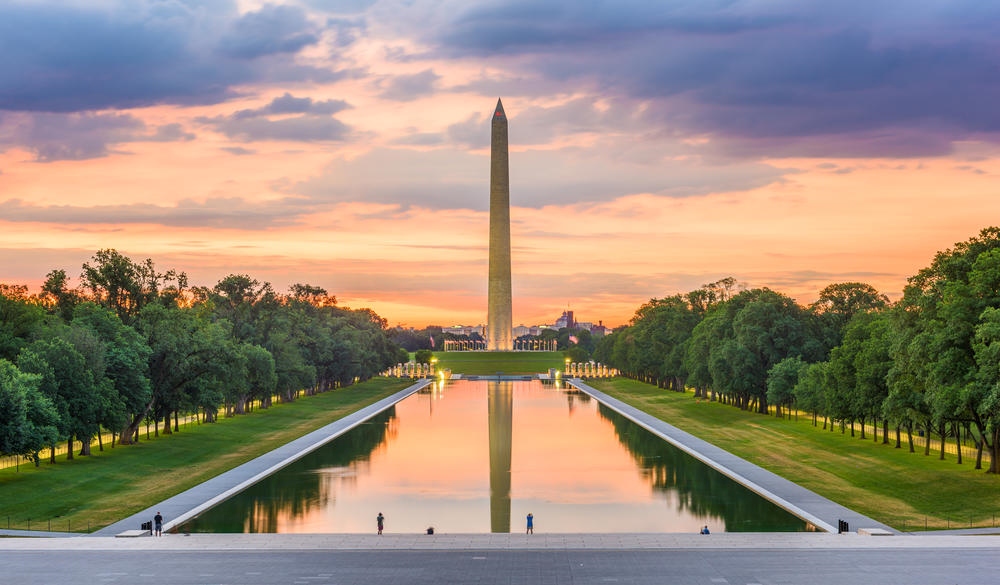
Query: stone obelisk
x=499, y=320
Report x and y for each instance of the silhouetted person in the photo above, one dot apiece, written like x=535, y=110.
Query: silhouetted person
x=380, y=521
x=704, y=530
x=531, y=524
x=158, y=524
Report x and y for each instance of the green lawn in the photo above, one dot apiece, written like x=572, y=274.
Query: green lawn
x=101, y=489
x=904, y=490
x=508, y=362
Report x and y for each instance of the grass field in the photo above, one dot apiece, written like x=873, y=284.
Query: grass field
x=905, y=490
x=508, y=362
x=101, y=489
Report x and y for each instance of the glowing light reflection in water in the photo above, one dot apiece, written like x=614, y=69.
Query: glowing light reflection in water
x=555, y=452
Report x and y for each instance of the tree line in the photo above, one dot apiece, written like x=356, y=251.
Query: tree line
x=131, y=344
x=930, y=362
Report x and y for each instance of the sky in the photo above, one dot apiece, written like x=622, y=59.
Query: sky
x=655, y=146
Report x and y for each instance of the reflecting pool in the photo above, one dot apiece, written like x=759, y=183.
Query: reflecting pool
x=479, y=456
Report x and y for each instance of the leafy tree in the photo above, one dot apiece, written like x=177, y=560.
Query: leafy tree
x=124, y=286
x=985, y=391
x=781, y=382
x=423, y=356
x=944, y=305
x=57, y=294
x=577, y=354
x=28, y=421
x=69, y=383
x=809, y=391
x=20, y=320
x=126, y=363
x=740, y=340
x=184, y=347
x=241, y=299
x=838, y=303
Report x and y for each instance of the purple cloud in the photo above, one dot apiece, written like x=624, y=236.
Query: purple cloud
x=53, y=137
x=269, y=31
x=849, y=78
x=313, y=121
x=77, y=57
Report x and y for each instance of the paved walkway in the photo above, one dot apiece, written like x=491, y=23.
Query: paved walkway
x=510, y=559
x=186, y=505
x=777, y=541
x=809, y=506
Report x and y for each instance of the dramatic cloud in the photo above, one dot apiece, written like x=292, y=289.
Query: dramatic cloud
x=54, y=137
x=269, y=31
x=906, y=78
x=289, y=104
x=68, y=57
x=312, y=121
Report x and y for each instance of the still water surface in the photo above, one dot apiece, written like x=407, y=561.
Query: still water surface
x=478, y=456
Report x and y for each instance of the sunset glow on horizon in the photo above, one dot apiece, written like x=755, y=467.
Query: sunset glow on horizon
x=655, y=146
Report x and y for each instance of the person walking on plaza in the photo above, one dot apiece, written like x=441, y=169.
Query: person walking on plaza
x=531, y=524
x=380, y=521
x=158, y=524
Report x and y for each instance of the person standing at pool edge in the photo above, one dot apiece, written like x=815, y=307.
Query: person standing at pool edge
x=531, y=524
x=380, y=520
x=158, y=524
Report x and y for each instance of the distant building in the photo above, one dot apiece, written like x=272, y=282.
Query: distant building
x=521, y=331
x=466, y=330
x=599, y=330
x=566, y=321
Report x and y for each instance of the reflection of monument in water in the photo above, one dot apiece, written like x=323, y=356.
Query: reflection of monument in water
x=499, y=319
x=500, y=324
x=500, y=397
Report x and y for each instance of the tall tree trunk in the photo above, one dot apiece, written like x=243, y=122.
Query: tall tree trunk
x=958, y=440
x=885, y=431
x=177, y=423
x=927, y=442
x=100, y=440
x=994, y=446
x=131, y=432
x=85, y=446
x=69, y=448
x=909, y=434
x=898, y=445
x=943, y=433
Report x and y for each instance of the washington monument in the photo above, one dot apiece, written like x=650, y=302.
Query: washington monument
x=499, y=321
